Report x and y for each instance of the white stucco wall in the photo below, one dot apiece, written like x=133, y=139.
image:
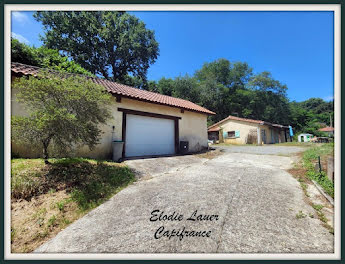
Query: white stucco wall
x=273, y=135
x=235, y=125
x=192, y=128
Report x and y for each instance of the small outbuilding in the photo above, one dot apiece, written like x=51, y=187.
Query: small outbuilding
x=148, y=123
x=237, y=130
x=305, y=137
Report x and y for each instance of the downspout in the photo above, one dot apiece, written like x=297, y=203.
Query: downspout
x=259, y=135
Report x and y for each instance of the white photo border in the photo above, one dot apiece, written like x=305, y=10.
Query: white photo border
x=8, y=8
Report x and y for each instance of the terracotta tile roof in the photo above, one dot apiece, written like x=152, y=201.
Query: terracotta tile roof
x=260, y=122
x=124, y=90
x=234, y=118
x=214, y=129
x=327, y=129
x=24, y=69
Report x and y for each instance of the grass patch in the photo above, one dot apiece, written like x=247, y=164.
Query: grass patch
x=300, y=215
x=90, y=182
x=321, y=216
x=47, y=198
x=304, y=175
x=304, y=186
x=317, y=207
x=310, y=158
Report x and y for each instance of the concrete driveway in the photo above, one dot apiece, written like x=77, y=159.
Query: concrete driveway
x=248, y=203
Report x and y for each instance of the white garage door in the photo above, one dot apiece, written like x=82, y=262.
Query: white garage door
x=149, y=136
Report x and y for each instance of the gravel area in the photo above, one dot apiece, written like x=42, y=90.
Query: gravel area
x=262, y=150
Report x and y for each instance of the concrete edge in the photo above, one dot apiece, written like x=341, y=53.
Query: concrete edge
x=329, y=198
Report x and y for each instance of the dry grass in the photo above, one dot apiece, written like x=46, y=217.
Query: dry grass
x=211, y=154
x=36, y=221
x=47, y=198
x=300, y=173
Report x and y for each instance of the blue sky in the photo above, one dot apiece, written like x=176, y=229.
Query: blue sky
x=296, y=47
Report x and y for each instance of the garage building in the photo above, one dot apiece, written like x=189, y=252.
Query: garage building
x=149, y=124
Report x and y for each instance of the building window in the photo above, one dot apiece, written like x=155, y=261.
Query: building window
x=231, y=134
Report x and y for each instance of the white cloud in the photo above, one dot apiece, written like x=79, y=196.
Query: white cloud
x=328, y=98
x=19, y=17
x=20, y=38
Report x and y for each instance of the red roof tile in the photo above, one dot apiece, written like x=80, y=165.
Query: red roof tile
x=327, y=129
x=124, y=90
x=235, y=118
x=212, y=127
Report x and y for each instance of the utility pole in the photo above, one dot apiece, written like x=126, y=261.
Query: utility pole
x=330, y=120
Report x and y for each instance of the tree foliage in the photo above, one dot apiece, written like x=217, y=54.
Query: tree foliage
x=233, y=89
x=44, y=58
x=107, y=43
x=310, y=115
x=64, y=110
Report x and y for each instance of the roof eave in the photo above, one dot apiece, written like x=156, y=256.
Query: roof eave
x=209, y=113
x=153, y=102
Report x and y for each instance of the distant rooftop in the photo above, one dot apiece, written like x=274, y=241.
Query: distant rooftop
x=215, y=127
x=327, y=129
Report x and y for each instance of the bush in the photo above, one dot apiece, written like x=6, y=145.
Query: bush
x=310, y=157
x=89, y=182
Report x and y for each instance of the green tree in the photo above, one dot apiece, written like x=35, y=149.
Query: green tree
x=23, y=53
x=308, y=116
x=186, y=87
x=232, y=89
x=166, y=86
x=312, y=127
x=107, y=43
x=152, y=86
x=264, y=82
x=220, y=83
x=218, y=71
x=44, y=58
x=62, y=109
x=298, y=116
x=134, y=81
x=269, y=101
x=323, y=111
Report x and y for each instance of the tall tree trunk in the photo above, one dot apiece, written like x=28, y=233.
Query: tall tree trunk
x=45, y=151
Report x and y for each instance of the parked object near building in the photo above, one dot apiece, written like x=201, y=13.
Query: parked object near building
x=328, y=130
x=323, y=140
x=320, y=139
x=117, y=150
x=305, y=137
x=237, y=130
x=148, y=123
